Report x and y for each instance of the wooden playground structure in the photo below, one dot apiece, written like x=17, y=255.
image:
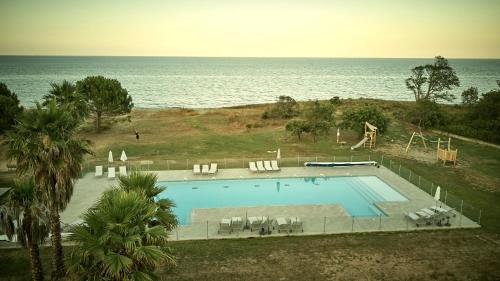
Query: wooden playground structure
x=443, y=154
x=370, y=137
x=446, y=154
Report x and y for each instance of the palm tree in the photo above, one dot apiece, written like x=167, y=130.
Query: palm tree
x=115, y=242
x=66, y=95
x=44, y=145
x=146, y=183
x=25, y=220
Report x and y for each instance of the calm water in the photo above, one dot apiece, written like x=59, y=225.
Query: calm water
x=217, y=82
x=355, y=194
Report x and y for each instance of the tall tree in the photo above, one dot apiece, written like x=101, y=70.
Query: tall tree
x=45, y=147
x=65, y=95
x=433, y=81
x=116, y=242
x=9, y=107
x=104, y=96
x=25, y=220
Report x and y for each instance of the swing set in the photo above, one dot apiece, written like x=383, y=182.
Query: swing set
x=442, y=154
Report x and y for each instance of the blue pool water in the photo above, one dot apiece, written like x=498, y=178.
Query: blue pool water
x=355, y=194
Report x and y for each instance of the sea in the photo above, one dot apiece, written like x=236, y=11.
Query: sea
x=203, y=82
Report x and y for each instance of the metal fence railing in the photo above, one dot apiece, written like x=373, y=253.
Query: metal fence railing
x=447, y=197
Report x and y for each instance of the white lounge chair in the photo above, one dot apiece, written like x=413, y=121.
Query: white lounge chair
x=123, y=170
x=260, y=166
x=254, y=223
x=204, y=170
x=98, y=171
x=224, y=226
x=418, y=220
x=274, y=165
x=296, y=224
x=267, y=166
x=213, y=169
x=196, y=169
x=236, y=224
x=111, y=172
x=282, y=224
x=252, y=167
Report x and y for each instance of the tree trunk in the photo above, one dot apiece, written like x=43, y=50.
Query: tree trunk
x=98, y=121
x=36, y=264
x=58, y=269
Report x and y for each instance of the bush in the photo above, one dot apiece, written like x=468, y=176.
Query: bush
x=9, y=106
x=355, y=119
x=297, y=127
x=285, y=107
x=426, y=114
x=335, y=101
x=470, y=96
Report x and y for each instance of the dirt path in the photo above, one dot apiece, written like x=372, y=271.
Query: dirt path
x=467, y=139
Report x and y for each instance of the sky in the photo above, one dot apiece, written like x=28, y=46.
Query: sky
x=252, y=28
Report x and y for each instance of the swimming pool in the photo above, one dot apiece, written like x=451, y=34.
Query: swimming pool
x=355, y=194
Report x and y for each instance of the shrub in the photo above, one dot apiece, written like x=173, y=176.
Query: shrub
x=319, y=118
x=9, y=106
x=427, y=114
x=335, y=101
x=355, y=119
x=285, y=107
x=297, y=127
x=470, y=96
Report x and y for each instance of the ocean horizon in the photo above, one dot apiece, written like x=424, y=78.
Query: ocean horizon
x=211, y=82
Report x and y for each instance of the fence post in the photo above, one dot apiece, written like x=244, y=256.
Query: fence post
x=445, y=196
x=432, y=187
x=399, y=170
x=351, y=158
x=390, y=163
x=479, y=218
x=382, y=160
x=333, y=158
x=352, y=226
x=324, y=224
x=207, y=229
x=409, y=177
x=298, y=160
x=461, y=210
x=369, y=157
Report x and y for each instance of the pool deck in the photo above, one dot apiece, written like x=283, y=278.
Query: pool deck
x=317, y=219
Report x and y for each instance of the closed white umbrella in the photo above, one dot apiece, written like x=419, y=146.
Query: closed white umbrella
x=110, y=157
x=437, y=195
x=124, y=156
x=278, y=155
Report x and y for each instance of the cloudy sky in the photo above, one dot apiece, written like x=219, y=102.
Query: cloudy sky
x=254, y=28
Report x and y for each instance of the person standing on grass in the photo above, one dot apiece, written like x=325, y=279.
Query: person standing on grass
x=136, y=136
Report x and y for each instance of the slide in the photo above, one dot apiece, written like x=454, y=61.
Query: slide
x=359, y=144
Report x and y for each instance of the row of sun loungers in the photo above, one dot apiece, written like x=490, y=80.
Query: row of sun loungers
x=263, y=166
x=281, y=224
x=205, y=169
x=111, y=171
x=432, y=215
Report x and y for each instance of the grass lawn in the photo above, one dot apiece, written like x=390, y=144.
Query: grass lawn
x=424, y=255
x=180, y=134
